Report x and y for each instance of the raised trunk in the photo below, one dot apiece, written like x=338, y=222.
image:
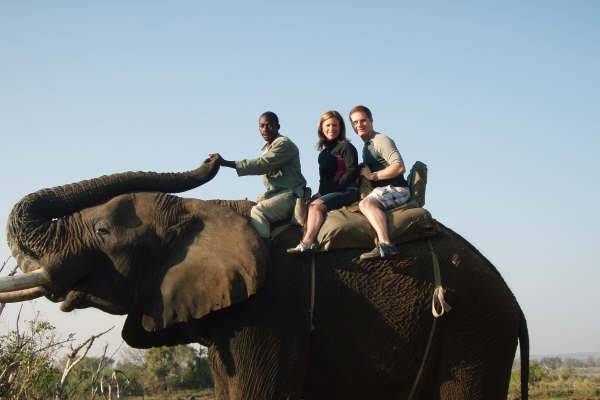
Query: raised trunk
x=35, y=221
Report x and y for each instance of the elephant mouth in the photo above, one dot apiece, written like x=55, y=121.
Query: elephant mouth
x=77, y=299
x=72, y=300
x=81, y=295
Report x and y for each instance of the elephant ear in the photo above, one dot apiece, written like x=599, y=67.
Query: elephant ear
x=218, y=260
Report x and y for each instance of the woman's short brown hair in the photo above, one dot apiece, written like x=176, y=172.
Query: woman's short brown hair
x=324, y=117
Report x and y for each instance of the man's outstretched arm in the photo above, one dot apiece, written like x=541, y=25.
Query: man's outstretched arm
x=280, y=153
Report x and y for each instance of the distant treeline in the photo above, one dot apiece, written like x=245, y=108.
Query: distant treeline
x=559, y=362
x=556, y=362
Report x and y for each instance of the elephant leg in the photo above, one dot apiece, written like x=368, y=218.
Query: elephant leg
x=256, y=365
x=474, y=366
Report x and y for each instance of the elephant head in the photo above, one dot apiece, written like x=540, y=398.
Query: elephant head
x=120, y=243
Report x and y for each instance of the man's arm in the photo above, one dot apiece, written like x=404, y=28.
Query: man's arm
x=280, y=153
x=389, y=172
x=388, y=150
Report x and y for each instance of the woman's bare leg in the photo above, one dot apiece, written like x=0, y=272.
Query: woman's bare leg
x=316, y=216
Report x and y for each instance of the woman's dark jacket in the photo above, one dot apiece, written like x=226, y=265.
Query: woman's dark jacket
x=338, y=167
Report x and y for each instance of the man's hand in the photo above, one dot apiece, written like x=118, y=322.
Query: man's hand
x=389, y=172
x=217, y=157
x=365, y=171
x=214, y=158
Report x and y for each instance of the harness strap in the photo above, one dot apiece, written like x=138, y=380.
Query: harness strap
x=438, y=308
x=311, y=311
x=437, y=302
x=415, y=385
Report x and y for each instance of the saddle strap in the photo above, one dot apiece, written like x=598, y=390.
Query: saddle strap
x=312, y=292
x=438, y=308
x=438, y=302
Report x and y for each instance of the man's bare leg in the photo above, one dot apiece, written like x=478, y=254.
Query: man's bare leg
x=374, y=212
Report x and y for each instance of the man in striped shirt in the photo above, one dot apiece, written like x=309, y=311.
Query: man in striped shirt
x=384, y=168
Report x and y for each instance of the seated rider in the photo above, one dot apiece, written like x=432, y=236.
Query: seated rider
x=338, y=173
x=384, y=168
x=279, y=164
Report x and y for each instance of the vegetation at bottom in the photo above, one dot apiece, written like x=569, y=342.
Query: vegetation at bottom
x=30, y=368
x=557, y=378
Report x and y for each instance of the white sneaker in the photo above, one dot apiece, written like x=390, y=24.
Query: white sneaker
x=304, y=248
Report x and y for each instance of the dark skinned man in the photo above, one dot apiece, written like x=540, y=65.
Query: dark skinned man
x=279, y=164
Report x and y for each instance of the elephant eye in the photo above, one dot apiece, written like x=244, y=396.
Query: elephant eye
x=101, y=230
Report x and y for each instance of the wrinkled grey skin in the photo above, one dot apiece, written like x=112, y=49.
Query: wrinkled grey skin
x=186, y=270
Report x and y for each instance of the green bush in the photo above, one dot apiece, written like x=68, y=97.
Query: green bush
x=537, y=372
x=27, y=368
x=175, y=368
x=563, y=383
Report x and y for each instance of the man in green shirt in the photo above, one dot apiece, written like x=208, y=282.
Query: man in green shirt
x=279, y=164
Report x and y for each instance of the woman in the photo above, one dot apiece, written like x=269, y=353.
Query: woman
x=338, y=183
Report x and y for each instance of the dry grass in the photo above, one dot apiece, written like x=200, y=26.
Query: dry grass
x=576, y=384
x=206, y=394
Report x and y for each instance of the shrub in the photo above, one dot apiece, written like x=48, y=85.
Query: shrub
x=27, y=368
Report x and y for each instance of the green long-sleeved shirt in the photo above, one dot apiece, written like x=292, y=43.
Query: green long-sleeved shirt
x=279, y=164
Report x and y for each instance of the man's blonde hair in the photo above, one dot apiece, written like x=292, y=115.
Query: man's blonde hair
x=362, y=109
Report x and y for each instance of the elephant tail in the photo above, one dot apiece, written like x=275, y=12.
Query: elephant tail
x=524, y=348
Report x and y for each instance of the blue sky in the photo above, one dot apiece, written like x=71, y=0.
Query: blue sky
x=500, y=99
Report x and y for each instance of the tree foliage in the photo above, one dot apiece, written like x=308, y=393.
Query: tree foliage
x=27, y=368
x=178, y=367
x=551, y=362
x=30, y=369
x=202, y=373
x=537, y=372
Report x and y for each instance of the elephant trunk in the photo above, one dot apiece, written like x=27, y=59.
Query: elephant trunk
x=35, y=223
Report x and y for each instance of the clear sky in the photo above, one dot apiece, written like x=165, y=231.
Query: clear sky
x=500, y=99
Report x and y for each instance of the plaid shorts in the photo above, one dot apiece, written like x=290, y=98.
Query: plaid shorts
x=390, y=196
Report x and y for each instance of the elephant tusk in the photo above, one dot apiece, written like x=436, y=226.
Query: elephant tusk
x=23, y=295
x=38, y=277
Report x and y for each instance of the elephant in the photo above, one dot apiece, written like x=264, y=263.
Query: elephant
x=276, y=326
